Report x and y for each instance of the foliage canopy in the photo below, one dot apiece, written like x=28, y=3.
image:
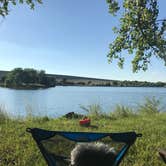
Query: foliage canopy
x=140, y=32
x=5, y=4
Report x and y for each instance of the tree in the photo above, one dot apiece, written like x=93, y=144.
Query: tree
x=41, y=76
x=14, y=77
x=141, y=32
x=20, y=78
x=4, y=5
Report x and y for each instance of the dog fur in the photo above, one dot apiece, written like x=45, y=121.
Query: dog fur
x=92, y=154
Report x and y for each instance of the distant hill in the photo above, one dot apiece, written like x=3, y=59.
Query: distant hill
x=58, y=76
x=73, y=80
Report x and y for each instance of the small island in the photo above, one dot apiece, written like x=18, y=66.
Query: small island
x=27, y=78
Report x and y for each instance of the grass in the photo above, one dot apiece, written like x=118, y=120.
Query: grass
x=18, y=148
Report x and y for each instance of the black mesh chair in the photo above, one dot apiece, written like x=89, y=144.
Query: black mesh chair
x=50, y=143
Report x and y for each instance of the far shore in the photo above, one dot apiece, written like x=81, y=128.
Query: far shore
x=40, y=86
x=52, y=80
x=27, y=87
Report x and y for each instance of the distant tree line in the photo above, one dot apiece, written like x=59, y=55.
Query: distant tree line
x=27, y=78
x=112, y=83
x=136, y=84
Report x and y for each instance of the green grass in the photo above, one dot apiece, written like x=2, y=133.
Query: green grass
x=18, y=148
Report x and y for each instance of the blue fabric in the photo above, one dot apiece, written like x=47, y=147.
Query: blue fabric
x=126, y=137
x=83, y=137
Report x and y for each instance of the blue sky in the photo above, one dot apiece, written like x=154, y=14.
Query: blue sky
x=67, y=37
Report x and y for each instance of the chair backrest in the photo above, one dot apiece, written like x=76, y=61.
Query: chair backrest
x=55, y=145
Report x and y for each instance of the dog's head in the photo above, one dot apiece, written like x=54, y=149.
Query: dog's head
x=92, y=154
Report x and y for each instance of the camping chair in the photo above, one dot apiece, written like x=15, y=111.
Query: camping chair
x=48, y=142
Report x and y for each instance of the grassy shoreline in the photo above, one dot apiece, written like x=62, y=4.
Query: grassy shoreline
x=18, y=148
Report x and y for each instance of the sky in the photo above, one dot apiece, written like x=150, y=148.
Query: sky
x=68, y=37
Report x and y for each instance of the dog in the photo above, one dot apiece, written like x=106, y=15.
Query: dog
x=92, y=154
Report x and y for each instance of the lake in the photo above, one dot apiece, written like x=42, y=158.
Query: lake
x=60, y=100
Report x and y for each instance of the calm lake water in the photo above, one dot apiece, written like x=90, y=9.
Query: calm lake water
x=60, y=100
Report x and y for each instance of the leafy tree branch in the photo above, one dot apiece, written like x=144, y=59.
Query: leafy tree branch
x=141, y=33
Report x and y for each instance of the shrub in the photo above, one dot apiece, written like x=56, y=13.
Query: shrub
x=122, y=112
x=94, y=110
x=151, y=106
x=3, y=114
